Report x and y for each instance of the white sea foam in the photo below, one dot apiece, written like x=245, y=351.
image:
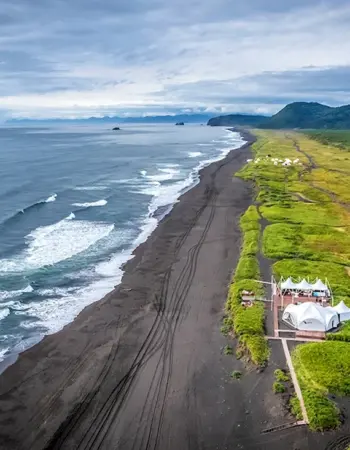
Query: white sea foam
x=90, y=188
x=51, y=244
x=52, y=198
x=63, y=292
x=167, y=173
x=194, y=154
x=55, y=312
x=3, y=352
x=4, y=312
x=47, y=245
x=10, y=294
x=91, y=204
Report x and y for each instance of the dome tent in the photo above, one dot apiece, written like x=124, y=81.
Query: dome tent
x=343, y=311
x=310, y=316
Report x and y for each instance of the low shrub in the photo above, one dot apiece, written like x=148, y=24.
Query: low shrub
x=236, y=375
x=249, y=320
x=257, y=348
x=247, y=268
x=280, y=375
x=278, y=388
x=228, y=350
x=227, y=325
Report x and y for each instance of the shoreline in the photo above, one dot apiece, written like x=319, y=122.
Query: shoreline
x=159, y=215
x=50, y=380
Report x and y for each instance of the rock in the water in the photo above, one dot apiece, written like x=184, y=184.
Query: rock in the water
x=116, y=128
x=180, y=123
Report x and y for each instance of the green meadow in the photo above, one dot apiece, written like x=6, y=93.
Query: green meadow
x=307, y=207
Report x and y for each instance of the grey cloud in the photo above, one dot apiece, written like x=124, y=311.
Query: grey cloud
x=50, y=47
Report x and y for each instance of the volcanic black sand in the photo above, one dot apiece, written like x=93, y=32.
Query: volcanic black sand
x=144, y=368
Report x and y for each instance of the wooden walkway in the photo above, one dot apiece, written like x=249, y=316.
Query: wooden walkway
x=295, y=380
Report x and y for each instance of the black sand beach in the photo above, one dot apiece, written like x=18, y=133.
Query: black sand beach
x=143, y=368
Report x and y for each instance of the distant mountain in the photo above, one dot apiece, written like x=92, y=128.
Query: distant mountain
x=186, y=118
x=310, y=116
x=236, y=119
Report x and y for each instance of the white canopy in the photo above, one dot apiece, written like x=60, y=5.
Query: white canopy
x=310, y=316
x=319, y=286
x=343, y=311
x=288, y=284
x=304, y=286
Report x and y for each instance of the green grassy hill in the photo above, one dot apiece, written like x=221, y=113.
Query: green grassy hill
x=236, y=119
x=310, y=115
x=299, y=115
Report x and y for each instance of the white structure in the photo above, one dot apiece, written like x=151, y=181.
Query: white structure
x=310, y=316
x=343, y=311
x=316, y=289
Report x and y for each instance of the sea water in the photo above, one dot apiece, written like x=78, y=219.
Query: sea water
x=75, y=201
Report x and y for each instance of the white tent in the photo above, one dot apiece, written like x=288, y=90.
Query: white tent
x=304, y=286
x=319, y=286
x=343, y=311
x=310, y=316
x=288, y=285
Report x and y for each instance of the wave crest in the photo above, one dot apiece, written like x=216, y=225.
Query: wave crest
x=102, y=202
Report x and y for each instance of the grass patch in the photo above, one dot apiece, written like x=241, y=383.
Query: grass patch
x=342, y=335
x=278, y=388
x=337, y=274
x=304, y=213
x=321, y=371
x=313, y=242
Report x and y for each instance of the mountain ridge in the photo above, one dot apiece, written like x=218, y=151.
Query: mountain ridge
x=302, y=115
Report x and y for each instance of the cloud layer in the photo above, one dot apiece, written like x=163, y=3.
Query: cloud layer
x=77, y=58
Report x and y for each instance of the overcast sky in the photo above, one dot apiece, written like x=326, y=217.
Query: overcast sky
x=77, y=58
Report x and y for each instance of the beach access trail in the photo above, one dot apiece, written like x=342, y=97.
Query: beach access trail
x=144, y=368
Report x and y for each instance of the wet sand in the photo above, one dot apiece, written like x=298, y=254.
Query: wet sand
x=143, y=368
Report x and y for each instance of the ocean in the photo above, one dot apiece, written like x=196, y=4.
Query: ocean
x=75, y=201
